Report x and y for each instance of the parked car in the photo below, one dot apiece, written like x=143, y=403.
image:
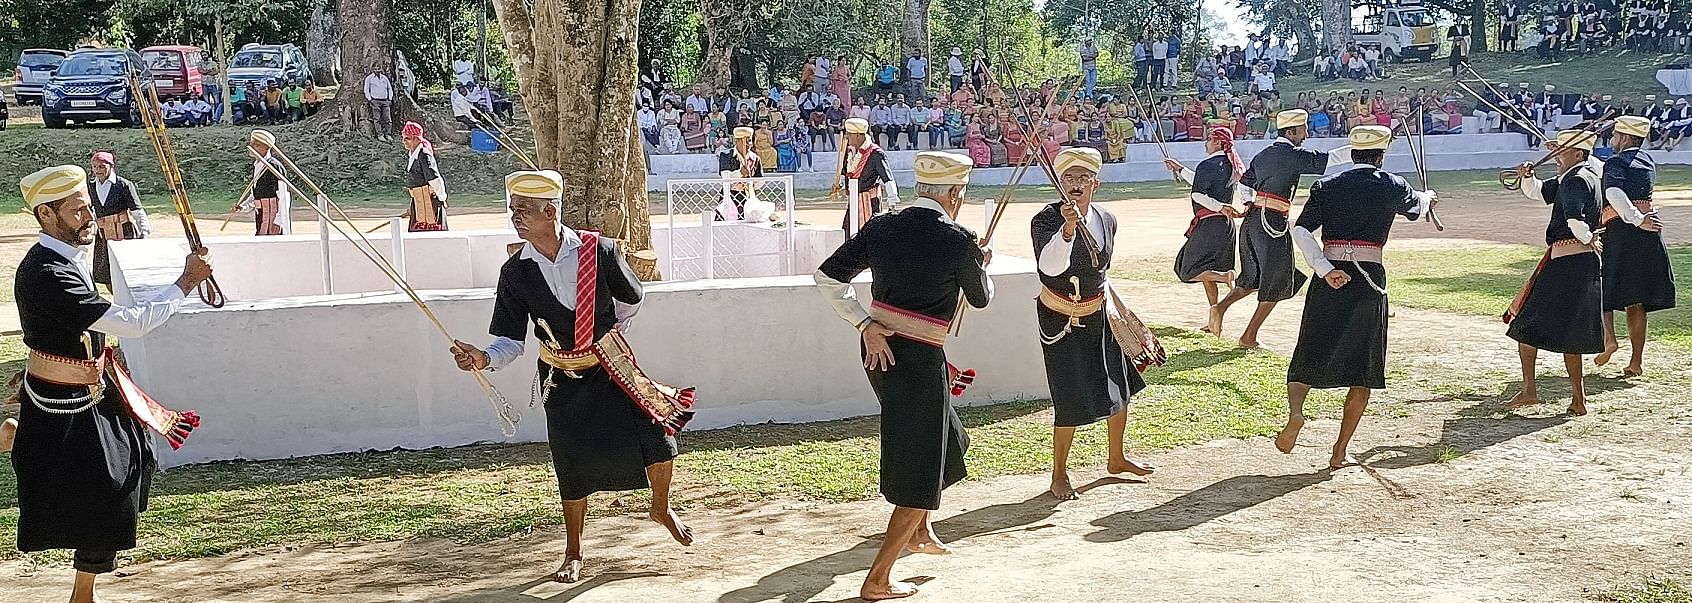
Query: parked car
x=260, y=64
x=176, y=70
x=93, y=85
x=35, y=68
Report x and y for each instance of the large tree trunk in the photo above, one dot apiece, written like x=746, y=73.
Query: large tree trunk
x=1336, y=24
x=320, y=44
x=367, y=46
x=1477, y=27
x=913, y=30
x=726, y=23
x=575, y=63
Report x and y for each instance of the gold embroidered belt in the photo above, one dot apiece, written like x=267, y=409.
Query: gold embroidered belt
x=1609, y=213
x=1563, y=248
x=1070, y=306
x=1272, y=201
x=923, y=329
x=668, y=406
x=1567, y=247
x=1352, y=251
x=60, y=370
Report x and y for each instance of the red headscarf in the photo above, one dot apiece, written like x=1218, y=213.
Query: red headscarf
x=104, y=157
x=413, y=129
x=1225, y=136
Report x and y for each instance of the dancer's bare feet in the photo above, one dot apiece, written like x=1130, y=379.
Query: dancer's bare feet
x=1127, y=466
x=673, y=523
x=1632, y=370
x=1523, y=399
x=1213, y=326
x=8, y=432
x=1288, y=438
x=883, y=592
x=924, y=542
x=1577, y=406
x=1061, y=489
x=570, y=571
x=1341, y=460
x=1604, y=358
x=1248, y=343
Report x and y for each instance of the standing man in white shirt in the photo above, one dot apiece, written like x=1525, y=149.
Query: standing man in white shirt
x=1090, y=65
x=117, y=212
x=696, y=101
x=1264, y=80
x=955, y=68
x=1159, y=56
x=379, y=92
x=464, y=71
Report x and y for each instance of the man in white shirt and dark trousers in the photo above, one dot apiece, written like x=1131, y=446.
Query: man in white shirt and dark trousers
x=955, y=68
x=1159, y=54
x=916, y=68
x=379, y=93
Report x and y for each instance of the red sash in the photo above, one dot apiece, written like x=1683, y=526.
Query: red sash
x=925, y=329
x=174, y=426
x=1201, y=214
x=670, y=407
x=864, y=152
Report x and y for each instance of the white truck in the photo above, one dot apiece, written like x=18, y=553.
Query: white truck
x=1400, y=30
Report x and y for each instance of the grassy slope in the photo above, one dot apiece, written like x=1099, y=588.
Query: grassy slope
x=1208, y=390
x=1619, y=73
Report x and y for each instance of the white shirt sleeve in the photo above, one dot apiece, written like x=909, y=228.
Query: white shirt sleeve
x=1531, y=188
x=1207, y=201
x=1187, y=174
x=1624, y=206
x=1423, y=200
x=502, y=352
x=129, y=322
x=139, y=216
x=843, y=298
x=1054, y=257
x=1312, y=250
x=1581, y=230
x=1339, y=156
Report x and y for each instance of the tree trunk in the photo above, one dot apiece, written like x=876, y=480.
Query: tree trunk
x=320, y=44
x=367, y=46
x=913, y=31
x=1306, y=35
x=576, y=72
x=726, y=23
x=1477, y=27
x=1336, y=24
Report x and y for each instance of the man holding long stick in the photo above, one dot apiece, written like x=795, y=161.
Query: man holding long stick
x=1266, y=254
x=610, y=427
x=1091, y=378
x=865, y=163
x=922, y=259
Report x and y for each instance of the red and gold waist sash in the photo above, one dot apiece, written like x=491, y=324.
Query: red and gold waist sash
x=77, y=372
x=922, y=328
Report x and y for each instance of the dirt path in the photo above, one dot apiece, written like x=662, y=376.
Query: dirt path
x=1461, y=502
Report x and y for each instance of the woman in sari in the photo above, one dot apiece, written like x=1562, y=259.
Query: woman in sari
x=1381, y=110
x=789, y=106
x=994, y=134
x=763, y=140
x=693, y=132
x=1057, y=135
x=1016, y=148
x=955, y=127
x=669, y=129
x=787, y=159
x=840, y=77
x=718, y=126
x=1096, y=133
x=1117, y=134
x=976, y=143
x=964, y=100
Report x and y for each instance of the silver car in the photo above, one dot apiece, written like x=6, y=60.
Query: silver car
x=35, y=68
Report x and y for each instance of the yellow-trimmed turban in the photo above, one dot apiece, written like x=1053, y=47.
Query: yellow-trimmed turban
x=52, y=184
x=543, y=184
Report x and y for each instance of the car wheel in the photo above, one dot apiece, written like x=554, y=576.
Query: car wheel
x=1391, y=56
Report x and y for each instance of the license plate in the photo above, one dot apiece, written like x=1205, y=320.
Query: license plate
x=163, y=83
x=82, y=103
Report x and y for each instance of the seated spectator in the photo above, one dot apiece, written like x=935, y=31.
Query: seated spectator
x=885, y=77
x=237, y=105
x=936, y=125
x=274, y=107
x=199, y=111
x=311, y=99
x=293, y=99
x=461, y=112
x=882, y=130
x=175, y=114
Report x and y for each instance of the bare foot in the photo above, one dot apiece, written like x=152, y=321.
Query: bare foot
x=8, y=431
x=925, y=543
x=1604, y=358
x=1288, y=438
x=1577, y=407
x=1341, y=460
x=1128, y=466
x=673, y=523
x=1250, y=344
x=1213, y=326
x=883, y=592
x=1061, y=489
x=1632, y=370
x=570, y=571
x=1523, y=399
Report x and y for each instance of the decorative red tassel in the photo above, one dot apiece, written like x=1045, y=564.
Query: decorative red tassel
x=961, y=379
x=184, y=426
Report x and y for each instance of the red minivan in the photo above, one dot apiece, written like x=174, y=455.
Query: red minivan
x=176, y=70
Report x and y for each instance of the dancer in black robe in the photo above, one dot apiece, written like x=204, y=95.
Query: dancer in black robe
x=1208, y=255
x=117, y=212
x=80, y=446
x=921, y=260
x=1091, y=378
x=866, y=164
x=1637, y=275
x=1560, y=308
x=1342, y=337
x=423, y=182
x=1266, y=254
x=606, y=434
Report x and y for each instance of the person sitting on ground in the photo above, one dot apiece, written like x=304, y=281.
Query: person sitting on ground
x=461, y=107
x=293, y=101
x=175, y=115
x=200, y=111
x=274, y=105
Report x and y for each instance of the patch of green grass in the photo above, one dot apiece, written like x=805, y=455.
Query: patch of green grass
x=1208, y=390
x=1446, y=453
x=1608, y=72
x=1652, y=590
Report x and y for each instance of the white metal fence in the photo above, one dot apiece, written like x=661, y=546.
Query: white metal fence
x=729, y=228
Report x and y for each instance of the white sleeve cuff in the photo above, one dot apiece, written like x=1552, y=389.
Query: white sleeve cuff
x=842, y=297
x=1247, y=194
x=1581, y=231
x=1339, y=156
x=1187, y=174
x=1423, y=200
x=1054, y=257
x=1532, y=189
x=1207, y=201
x=129, y=322
x=503, y=352
x=1624, y=206
x=1312, y=250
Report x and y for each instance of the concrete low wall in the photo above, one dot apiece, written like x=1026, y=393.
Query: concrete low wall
x=324, y=374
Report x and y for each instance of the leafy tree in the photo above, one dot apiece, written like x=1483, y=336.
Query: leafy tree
x=48, y=24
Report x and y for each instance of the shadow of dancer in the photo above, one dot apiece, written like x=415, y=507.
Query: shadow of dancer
x=547, y=590
x=1203, y=505
x=800, y=582
x=1475, y=427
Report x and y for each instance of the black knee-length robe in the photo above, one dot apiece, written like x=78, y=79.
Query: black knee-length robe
x=1343, y=335
x=1210, y=236
x=1266, y=253
x=1089, y=376
x=600, y=440
x=1636, y=263
x=1563, y=310
x=120, y=198
x=921, y=260
x=83, y=478
x=424, y=171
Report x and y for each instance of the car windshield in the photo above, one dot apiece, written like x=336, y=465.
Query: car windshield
x=40, y=59
x=1417, y=18
x=163, y=60
x=258, y=58
x=92, y=64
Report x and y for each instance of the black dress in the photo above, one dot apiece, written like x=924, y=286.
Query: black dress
x=1210, y=236
x=120, y=198
x=1564, y=307
x=870, y=176
x=1343, y=335
x=1266, y=252
x=1090, y=378
x=1636, y=264
x=267, y=186
x=921, y=261
x=83, y=478
x=600, y=440
x=422, y=170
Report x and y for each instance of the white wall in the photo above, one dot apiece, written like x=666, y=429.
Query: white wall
x=316, y=375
